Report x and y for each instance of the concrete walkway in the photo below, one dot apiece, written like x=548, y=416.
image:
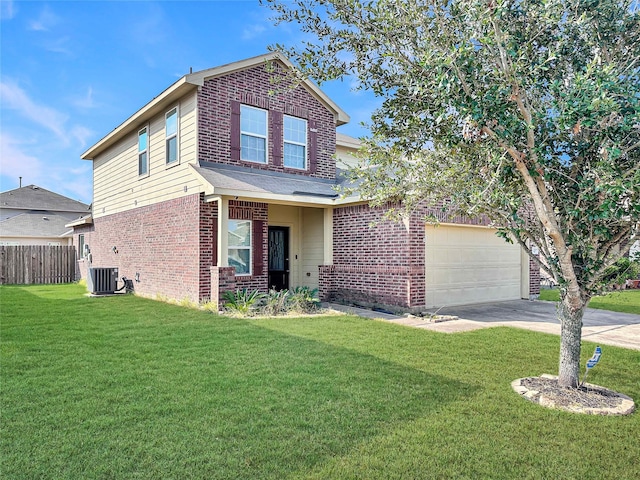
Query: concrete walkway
x=599, y=326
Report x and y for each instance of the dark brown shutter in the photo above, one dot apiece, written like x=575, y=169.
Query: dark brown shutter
x=277, y=139
x=235, y=130
x=258, y=247
x=313, y=146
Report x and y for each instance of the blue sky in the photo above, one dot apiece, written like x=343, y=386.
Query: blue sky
x=70, y=72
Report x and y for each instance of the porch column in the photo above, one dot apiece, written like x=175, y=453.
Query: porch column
x=328, y=236
x=223, y=228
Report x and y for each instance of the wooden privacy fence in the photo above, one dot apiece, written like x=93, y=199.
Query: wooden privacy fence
x=37, y=264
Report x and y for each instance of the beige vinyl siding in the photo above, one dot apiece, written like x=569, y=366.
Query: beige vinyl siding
x=306, y=241
x=117, y=186
x=312, y=246
x=345, y=157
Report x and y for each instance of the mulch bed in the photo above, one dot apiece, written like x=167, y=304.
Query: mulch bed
x=587, y=398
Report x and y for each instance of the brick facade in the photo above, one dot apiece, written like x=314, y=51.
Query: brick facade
x=259, y=214
x=381, y=264
x=534, y=279
x=377, y=261
x=224, y=278
x=172, y=245
x=208, y=246
x=254, y=87
x=159, y=243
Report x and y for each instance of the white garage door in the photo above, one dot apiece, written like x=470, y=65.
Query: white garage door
x=470, y=265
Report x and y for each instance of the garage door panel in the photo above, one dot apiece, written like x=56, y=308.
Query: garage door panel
x=470, y=265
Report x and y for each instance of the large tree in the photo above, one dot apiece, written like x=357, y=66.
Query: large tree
x=525, y=111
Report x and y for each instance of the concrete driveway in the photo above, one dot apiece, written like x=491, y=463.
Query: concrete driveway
x=600, y=326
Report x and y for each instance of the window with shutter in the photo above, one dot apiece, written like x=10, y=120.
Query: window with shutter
x=295, y=142
x=253, y=134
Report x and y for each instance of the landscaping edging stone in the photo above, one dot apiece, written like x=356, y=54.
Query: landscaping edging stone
x=624, y=405
x=429, y=318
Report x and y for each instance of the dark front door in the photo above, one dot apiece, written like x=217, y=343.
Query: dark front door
x=279, y=258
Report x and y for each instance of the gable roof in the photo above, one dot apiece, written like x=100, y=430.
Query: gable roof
x=33, y=197
x=35, y=224
x=192, y=81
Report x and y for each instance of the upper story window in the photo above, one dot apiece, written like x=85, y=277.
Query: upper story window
x=295, y=142
x=253, y=134
x=143, y=151
x=171, y=135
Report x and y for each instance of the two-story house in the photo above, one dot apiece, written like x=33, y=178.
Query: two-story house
x=227, y=180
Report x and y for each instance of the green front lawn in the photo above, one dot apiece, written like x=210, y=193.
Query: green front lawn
x=125, y=387
x=626, y=301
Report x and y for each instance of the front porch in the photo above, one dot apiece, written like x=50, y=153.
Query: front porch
x=262, y=246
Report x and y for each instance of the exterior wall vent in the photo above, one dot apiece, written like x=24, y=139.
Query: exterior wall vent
x=101, y=281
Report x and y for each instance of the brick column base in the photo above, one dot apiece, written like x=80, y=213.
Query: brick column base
x=534, y=279
x=223, y=279
x=325, y=282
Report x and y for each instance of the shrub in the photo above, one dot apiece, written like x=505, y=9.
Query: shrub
x=276, y=302
x=304, y=300
x=208, y=306
x=242, y=302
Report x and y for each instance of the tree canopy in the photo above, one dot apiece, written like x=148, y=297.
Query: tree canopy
x=525, y=111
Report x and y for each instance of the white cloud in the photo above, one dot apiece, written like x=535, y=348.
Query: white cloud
x=81, y=186
x=14, y=162
x=19, y=159
x=51, y=119
x=85, y=101
x=59, y=45
x=151, y=29
x=252, y=31
x=15, y=98
x=45, y=21
x=8, y=9
x=81, y=134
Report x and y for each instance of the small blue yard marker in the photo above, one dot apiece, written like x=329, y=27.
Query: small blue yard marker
x=592, y=362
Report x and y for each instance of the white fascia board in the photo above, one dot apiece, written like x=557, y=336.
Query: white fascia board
x=80, y=221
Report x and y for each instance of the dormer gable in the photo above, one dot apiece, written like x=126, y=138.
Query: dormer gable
x=257, y=117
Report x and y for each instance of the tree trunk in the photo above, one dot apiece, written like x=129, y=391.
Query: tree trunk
x=570, y=314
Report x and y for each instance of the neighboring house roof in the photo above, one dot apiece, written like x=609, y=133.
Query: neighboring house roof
x=35, y=224
x=190, y=82
x=261, y=184
x=33, y=197
x=343, y=140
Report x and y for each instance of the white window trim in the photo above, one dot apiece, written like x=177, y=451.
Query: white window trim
x=81, y=246
x=146, y=174
x=305, y=144
x=246, y=247
x=257, y=135
x=169, y=137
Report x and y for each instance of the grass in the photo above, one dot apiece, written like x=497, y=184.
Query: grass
x=625, y=301
x=125, y=387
